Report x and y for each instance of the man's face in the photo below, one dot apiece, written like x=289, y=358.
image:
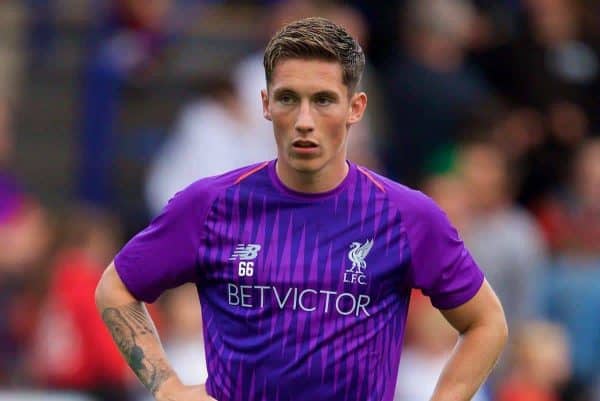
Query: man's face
x=311, y=111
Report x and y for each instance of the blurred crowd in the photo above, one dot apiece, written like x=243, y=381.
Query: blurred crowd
x=491, y=107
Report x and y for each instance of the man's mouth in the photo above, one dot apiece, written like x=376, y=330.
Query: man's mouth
x=304, y=144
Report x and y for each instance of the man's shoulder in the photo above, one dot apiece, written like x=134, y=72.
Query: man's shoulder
x=209, y=187
x=400, y=196
x=201, y=194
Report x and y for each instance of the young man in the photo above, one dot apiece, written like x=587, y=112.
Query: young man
x=304, y=264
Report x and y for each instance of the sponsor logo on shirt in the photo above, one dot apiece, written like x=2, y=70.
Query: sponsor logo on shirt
x=294, y=298
x=358, y=253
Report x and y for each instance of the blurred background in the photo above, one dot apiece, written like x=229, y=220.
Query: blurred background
x=107, y=108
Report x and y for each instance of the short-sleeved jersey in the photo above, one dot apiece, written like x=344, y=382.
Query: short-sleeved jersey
x=304, y=296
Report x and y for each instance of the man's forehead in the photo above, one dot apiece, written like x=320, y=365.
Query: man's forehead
x=327, y=75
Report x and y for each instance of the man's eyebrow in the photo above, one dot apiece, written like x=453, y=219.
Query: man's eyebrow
x=327, y=93
x=283, y=90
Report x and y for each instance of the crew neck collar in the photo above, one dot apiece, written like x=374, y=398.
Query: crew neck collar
x=350, y=177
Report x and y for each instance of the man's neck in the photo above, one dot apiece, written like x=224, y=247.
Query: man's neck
x=327, y=179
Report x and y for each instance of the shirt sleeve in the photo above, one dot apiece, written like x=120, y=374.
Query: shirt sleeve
x=165, y=254
x=441, y=266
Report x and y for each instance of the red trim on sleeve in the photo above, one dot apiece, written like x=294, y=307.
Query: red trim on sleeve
x=249, y=173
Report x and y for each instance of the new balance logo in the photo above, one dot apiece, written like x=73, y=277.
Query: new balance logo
x=245, y=252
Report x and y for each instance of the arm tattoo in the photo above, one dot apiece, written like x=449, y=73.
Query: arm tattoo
x=128, y=324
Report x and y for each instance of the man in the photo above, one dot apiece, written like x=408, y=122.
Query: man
x=304, y=264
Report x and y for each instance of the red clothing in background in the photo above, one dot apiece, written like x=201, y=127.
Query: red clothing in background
x=569, y=228
x=73, y=347
x=516, y=390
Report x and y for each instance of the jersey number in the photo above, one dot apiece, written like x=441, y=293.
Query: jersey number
x=246, y=269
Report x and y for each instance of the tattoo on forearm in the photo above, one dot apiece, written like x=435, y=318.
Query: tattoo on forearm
x=128, y=324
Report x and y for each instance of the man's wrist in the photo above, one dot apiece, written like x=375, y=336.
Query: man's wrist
x=168, y=387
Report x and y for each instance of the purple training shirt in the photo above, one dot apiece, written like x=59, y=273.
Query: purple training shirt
x=304, y=296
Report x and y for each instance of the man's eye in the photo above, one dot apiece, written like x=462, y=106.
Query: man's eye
x=323, y=101
x=286, y=99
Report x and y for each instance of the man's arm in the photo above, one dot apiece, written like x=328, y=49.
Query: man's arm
x=135, y=335
x=483, y=334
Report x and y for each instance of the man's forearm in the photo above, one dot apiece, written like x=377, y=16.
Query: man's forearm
x=134, y=334
x=473, y=358
x=136, y=338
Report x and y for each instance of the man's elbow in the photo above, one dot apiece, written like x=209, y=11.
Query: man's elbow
x=110, y=290
x=494, y=318
x=101, y=291
x=503, y=331
x=498, y=327
x=492, y=325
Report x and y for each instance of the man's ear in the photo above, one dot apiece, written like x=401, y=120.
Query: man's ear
x=265, y=103
x=358, y=104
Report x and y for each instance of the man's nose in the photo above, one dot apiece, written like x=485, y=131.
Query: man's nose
x=305, y=122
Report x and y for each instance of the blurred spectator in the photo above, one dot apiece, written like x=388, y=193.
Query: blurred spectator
x=212, y=135
x=431, y=90
x=571, y=298
x=72, y=349
x=23, y=235
x=429, y=343
x=556, y=60
x=127, y=48
x=539, y=144
x=450, y=192
x=12, y=55
x=25, y=395
x=553, y=67
x=478, y=198
x=24, y=240
x=546, y=166
x=383, y=21
x=571, y=219
x=516, y=131
x=503, y=238
x=539, y=364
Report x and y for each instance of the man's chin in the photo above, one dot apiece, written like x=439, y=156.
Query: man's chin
x=306, y=165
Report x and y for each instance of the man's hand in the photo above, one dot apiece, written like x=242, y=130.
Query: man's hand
x=184, y=393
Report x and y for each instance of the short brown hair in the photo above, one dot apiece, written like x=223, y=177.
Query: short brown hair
x=316, y=38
